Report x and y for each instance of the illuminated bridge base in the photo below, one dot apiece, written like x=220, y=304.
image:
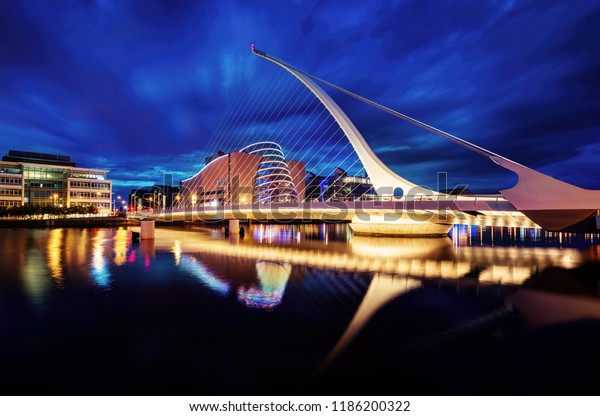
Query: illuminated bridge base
x=388, y=218
x=402, y=226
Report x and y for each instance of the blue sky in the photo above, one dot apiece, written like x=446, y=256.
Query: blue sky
x=139, y=87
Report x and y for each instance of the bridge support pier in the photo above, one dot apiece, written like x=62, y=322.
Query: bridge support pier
x=147, y=230
x=234, y=226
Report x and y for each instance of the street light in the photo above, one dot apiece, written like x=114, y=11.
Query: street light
x=132, y=204
x=115, y=209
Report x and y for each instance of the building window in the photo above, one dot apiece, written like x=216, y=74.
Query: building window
x=11, y=181
x=11, y=192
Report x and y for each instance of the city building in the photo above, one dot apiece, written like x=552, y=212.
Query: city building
x=153, y=197
x=258, y=173
x=339, y=187
x=55, y=180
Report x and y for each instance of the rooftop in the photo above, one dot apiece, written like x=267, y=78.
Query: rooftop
x=41, y=158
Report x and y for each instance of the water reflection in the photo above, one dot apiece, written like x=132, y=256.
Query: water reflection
x=259, y=284
x=76, y=248
x=540, y=308
x=273, y=277
x=294, y=233
x=471, y=235
x=401, y=247
x=275, y=233
x=274, y=250
x=311, y=293
x=234, y=239
x=99, y=265
x=414, y=257
x=120, y=246
x=197, y=269
x=147, y=251
x=35, y=277
x=383, y=289
x=177, y=252
x=54, y=253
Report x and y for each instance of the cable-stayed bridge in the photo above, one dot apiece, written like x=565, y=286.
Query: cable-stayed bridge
x=274, y=154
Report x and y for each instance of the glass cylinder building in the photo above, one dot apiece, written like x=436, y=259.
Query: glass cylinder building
x=273, y=182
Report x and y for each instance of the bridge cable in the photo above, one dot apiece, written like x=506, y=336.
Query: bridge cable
x=241, y=123
x=225, y=130
x=241, y=107
x=441, y=133
x=263, y=132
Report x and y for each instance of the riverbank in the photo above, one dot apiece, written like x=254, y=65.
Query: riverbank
x=85, y=222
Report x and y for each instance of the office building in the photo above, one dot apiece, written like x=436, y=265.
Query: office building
x=47, y=179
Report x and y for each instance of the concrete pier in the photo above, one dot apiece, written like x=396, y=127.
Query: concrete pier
x=234, y=226
x=146, y=230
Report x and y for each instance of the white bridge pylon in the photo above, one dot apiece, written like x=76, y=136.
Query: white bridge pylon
x=384, y=180
x=551, y=203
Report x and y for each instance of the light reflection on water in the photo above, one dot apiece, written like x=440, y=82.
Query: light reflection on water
x=197, y=269
x=36, y=277
x=55, y=242
x=99, y=265
x=315, y=281
x=466, y=235
x=120, y=246
x=273, y=277
x=276, y=249
x=418, y=257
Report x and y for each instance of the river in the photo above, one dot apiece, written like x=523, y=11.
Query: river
x=298, y=309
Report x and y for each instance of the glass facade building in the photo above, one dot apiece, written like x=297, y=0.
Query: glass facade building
x=273, y=181
x=46, y=179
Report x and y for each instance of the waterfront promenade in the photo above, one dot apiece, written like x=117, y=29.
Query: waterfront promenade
x=80, y=222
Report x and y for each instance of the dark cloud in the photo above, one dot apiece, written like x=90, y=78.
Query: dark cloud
x=141, y=87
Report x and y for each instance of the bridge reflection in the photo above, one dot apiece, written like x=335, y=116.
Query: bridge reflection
x=418, y=258
x=317, y=282
x=392, y=267
x=382, y=290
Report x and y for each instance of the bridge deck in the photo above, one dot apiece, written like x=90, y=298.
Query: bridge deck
x=477, y=210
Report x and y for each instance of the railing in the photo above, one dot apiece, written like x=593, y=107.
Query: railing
x=478, y=202
x=475, y=198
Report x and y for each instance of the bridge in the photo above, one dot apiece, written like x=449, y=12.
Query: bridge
x=268, y=187
x=421, y=216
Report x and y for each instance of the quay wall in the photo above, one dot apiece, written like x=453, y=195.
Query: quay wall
x=90, y=222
